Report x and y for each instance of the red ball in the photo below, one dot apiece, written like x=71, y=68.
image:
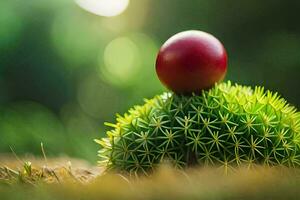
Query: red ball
x=191, y=61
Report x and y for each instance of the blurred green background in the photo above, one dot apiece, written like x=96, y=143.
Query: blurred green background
x=67, y=66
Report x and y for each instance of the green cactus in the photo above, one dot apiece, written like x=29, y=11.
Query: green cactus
x=228, y=125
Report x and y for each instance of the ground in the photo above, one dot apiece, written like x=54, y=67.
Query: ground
x=66, y=178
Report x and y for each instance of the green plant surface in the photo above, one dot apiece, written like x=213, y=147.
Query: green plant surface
x=229, y=125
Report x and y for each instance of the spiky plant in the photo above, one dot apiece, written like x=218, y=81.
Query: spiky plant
x=228, y=125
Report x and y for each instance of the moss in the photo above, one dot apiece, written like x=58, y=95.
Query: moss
x=229, y=125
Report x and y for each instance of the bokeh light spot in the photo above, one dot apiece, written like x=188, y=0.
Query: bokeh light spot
x=107, y=8
x=130, y=60
x=121, y=61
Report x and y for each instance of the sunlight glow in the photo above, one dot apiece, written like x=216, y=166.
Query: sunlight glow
x=107, y=8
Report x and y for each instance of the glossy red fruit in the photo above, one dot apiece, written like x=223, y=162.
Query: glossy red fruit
x=191, y=61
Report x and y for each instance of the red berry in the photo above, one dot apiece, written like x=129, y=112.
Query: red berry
x=191, y=61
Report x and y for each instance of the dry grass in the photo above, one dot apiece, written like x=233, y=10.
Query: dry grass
x=65, y=178
x=35, y=171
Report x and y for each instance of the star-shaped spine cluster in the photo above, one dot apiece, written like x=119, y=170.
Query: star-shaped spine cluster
x=229, y=125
